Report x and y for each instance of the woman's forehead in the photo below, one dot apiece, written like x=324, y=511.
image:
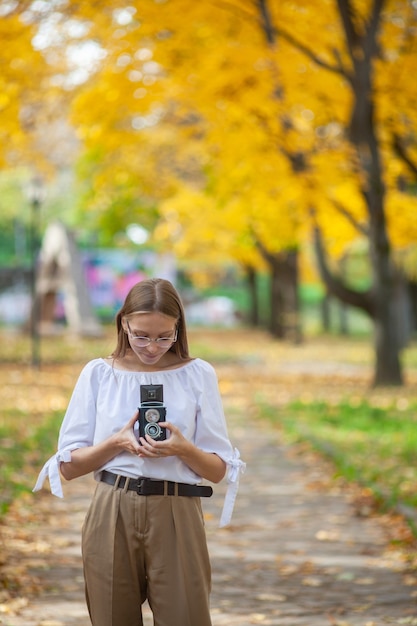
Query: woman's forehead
x=154, y=318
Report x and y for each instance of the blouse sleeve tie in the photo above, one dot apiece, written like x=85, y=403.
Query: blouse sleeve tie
x=235, y=467
x=51, y=470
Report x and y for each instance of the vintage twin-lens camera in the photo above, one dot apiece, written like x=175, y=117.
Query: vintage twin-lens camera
x=152, y=411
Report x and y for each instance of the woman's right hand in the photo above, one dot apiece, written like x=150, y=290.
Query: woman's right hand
x=89, y=459
x=126, y=437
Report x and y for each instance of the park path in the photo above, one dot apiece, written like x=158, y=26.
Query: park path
x=302, y=549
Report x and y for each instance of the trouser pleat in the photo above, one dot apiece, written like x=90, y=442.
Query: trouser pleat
x=179, y=577
x=114, y=568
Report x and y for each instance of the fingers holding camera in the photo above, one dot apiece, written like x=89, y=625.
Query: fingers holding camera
x=126, y=439
x=155, y=448
x=150, y=448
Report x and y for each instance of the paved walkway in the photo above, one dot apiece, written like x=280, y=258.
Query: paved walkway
x=299, y=551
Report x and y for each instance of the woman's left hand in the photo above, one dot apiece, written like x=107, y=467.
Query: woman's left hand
x=205, y=464
x=173, y=446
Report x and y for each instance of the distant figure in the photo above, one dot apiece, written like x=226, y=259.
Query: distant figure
x=61, y=271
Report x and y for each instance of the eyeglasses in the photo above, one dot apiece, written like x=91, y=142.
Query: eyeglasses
x=144, y=342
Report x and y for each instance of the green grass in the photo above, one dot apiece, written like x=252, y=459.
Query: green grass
x=24, y=448
x=375, y=447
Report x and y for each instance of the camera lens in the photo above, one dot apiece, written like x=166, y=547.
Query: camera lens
x=153, y=430
x=152, y=415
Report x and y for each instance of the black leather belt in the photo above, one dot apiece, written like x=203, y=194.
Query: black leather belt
x=150, y=487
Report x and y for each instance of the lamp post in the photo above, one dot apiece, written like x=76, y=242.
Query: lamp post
x=35, y=194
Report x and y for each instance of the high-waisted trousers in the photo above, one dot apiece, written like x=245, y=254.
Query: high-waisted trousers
x=145, y=547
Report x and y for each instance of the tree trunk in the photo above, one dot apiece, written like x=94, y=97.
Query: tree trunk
x=412, y=290
x=252, y=284
x=387, y=366
x=285, y=307
x=276, y=325
x=380, y=303
x=325, y=313
x=362, y=135
x=290, y=286
x=362, y=47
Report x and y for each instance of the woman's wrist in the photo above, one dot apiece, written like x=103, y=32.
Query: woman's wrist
x=114, y=443
x=187, y=450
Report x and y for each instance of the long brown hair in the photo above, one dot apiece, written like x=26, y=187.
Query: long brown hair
x=150, y=296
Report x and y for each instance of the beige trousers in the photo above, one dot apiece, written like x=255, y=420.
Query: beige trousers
x=137, y=547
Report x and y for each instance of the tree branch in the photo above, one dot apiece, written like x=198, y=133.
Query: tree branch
x=335, y=286
x=362, y=48
x=402, y=152
x=371, y=30
x=352, y=38
x=361, y=228
x=338, y=68
x=267, y=24
x=271, y=32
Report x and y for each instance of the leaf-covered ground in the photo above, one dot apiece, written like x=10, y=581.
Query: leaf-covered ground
x=305, y=548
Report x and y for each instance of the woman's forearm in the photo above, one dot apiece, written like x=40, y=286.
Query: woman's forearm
x=88, y=459
x=206, y=464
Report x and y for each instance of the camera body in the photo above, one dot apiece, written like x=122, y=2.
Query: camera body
x=152, y=411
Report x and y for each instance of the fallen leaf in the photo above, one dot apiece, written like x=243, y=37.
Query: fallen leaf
x=312, y=581
x=14, y=606
x=328, y=535
x=270, y=596
x=365, y=581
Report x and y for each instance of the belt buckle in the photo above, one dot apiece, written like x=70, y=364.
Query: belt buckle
x=140, y=487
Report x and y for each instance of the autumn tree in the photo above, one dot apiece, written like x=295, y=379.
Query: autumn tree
x=360, y=53
x=230, y=131
x=370, y=35
x=113, y=102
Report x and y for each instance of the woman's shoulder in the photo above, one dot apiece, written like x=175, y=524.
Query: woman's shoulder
x=203, y=365
x=98, y=365
x=201, y=370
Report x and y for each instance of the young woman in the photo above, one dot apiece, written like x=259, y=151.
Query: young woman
x=143, y=537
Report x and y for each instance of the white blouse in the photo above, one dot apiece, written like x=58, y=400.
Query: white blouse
x=105, y=398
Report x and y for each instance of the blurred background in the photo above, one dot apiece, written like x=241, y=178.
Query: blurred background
x=260, y=154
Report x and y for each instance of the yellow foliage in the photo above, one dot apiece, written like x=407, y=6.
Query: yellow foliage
x=22, y=71
x=198, y=125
